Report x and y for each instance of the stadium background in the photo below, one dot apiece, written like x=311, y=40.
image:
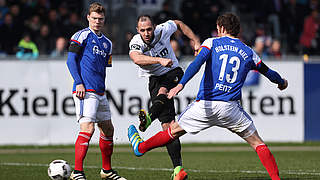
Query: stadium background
x=36, y=108
x=35, y=86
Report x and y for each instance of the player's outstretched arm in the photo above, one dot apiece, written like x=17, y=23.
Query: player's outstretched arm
x=192, y=69
x=142, y=60
x=273, y=76
x=186, y=30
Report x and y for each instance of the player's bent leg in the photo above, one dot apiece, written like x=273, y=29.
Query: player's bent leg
x=266, y=157
x=158, y=105
x=146, y=118
x=140, y=147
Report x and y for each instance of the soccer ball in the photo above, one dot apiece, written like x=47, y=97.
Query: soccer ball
x=59, y=170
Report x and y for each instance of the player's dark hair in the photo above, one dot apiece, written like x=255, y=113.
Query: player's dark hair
x=96, y=7
x=143, y=18
x=230, y=22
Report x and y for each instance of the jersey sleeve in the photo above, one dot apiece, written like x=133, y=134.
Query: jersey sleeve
x=77, y=41
x=136, y=44
x=79, y=37
x=273, y=76
x=256, y=59
x=207, y=44
x=167, y=28
x=73, y=68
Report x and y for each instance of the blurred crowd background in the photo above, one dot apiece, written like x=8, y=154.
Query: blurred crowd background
x=274, y=28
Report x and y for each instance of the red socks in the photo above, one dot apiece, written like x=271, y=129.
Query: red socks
x=81, y=148
x=268, y=161
x=106, y=147
x=160, y=139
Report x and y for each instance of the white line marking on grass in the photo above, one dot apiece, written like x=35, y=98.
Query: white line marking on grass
x=291, y=172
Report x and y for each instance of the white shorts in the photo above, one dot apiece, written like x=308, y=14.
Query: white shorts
x=95, y=107
x=201, y=115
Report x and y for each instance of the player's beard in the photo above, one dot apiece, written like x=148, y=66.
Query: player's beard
x=149, y=41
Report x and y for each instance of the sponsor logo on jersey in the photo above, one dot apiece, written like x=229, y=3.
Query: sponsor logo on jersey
x=135, y=47
x=96, y=50
x=105, y=45
x=93, y=42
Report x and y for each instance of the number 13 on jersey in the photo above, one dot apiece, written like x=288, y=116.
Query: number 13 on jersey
x=235, y=61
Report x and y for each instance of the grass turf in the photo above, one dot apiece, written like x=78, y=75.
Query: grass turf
x=30, y=164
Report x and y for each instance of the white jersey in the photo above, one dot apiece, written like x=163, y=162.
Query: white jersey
x=159, y=47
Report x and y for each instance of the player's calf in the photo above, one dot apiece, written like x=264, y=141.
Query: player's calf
x=268, y=161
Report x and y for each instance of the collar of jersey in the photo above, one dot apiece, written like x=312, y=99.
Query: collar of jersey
x=230, y=37
x=95, y=33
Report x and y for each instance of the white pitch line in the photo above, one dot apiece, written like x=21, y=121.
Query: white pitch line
x=299, y=172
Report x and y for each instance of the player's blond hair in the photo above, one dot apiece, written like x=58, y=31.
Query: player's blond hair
x=96, y=7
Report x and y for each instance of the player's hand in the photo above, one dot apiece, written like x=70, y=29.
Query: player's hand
x=174, y=91
x=80, y=91
x=283, y=86
x=197, y=47
x=166, y=62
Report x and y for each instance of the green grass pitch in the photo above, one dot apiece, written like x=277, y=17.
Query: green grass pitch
x=201, y=161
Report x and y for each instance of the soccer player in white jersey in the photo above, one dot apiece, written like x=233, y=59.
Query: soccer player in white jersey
x=151, y=50
x=228, y=61
x=89, y=55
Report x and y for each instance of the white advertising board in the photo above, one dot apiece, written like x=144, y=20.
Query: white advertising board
x=36, y=106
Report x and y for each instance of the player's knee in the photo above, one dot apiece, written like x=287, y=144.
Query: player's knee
x=110, y=130
x=162, y=90
x=165, y=126
x=106, y=128
x=253, y=139
x=176, y=130
x=86, y=125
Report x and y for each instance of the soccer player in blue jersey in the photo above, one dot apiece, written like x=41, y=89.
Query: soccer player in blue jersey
x=228, y=61
x=89, y=55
